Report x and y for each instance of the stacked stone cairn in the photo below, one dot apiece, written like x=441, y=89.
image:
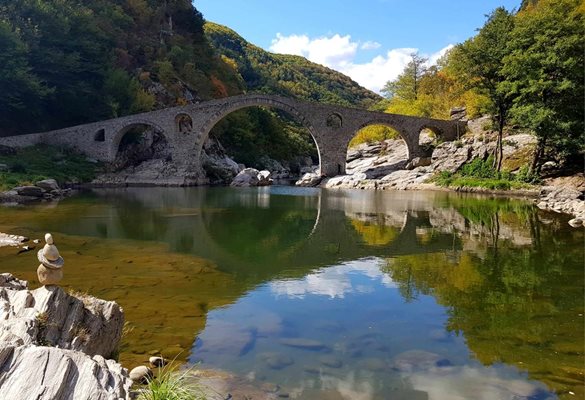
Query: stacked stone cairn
x=50, y=271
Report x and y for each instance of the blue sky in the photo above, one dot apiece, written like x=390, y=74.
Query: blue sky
x=368, y=40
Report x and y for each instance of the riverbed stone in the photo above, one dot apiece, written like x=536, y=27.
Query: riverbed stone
x=331, y=361
x=302, y=343
x=276, y=361
x=414, y=360
x=373, y=364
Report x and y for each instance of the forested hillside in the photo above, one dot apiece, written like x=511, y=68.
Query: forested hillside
x=64, y=63
x=286, y=75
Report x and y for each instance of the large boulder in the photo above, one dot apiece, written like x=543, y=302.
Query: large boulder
x=48, y=185
x=50, y=316
x=52, y=342
x=252, y=177
x=48, y=373
x=29, y=191
x=310, y=179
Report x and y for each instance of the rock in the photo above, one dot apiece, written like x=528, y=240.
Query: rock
x=276, y=361
x=450, y=156
x=49, y=373
x=331, y=361
x=301, y=343
x=30, y=191
x=418, y=162
x=576, y=222
x=457, y=113
x=141, y=374
x=49, y=276
x=4, y=167
x=50, y=271
x=81, y=323
x=250, y=177
x=48, y=185
x=373, y=364
x=11, y=240
x=414, y=360
x=157, y=362
x=264, y=178
x=310, y=179
x=10, y=282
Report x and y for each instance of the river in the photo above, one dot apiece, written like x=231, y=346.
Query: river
x=331, y=294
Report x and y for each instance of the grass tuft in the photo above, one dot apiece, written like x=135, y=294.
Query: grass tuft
x=170, y=384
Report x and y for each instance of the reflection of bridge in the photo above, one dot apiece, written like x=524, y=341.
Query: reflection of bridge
x=191, y=221
x=186, y=129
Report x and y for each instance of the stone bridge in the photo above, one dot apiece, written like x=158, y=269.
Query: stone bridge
x=186, y=128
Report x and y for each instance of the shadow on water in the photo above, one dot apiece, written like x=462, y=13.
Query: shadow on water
x=491, y=286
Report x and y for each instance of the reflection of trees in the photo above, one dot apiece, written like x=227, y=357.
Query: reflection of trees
x=261, y=233
x=517, y=305
x=376, y=232
x=139, y=222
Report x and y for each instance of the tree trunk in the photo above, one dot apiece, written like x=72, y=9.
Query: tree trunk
x=538, y=153
x=500, y=145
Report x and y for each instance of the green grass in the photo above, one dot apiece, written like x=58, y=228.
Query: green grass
x=480, y=173
x=32, y=164
x=172, y=385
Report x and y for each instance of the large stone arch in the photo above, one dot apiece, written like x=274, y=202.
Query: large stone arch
x=117, y=138
x=241, y=103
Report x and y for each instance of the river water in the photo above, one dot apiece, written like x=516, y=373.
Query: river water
x=331, y=294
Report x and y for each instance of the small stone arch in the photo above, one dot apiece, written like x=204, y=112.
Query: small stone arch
x=100, y=135
x=334, y=120
x=183, y=123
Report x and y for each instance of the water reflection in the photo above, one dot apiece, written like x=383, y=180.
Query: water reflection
x=345, y=294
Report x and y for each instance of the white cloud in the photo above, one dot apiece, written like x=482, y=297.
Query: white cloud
x=433, y=58
x=334, y=51
x=370, y=45
x=339, y=52
x=334, y=282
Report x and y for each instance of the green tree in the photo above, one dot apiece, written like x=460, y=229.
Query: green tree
x=480, y=64
x=545, y=74
x=22, y=91
x=407, y=85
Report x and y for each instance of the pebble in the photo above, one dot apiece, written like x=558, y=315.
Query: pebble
x=157, y=362
x=141, y=374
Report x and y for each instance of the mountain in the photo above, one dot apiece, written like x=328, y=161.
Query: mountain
x=287, y=75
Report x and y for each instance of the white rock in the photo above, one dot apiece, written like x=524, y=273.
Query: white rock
x=49, y=373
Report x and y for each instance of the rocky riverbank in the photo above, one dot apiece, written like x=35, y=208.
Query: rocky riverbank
x=55, y=345
x=44, y=190
x=383, y=166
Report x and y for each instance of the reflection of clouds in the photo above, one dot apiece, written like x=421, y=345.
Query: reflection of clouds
x=471, y=382
x=445, y=383
x=334, y=282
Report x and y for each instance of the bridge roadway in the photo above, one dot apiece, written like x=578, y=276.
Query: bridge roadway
x=186, y=129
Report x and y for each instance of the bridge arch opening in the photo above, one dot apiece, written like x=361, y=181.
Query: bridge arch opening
x=137, y=143
x=265, y=134
x=183, y=123
x=429, y=138
x=376, y=149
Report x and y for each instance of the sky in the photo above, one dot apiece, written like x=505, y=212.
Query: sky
x=368, y=40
